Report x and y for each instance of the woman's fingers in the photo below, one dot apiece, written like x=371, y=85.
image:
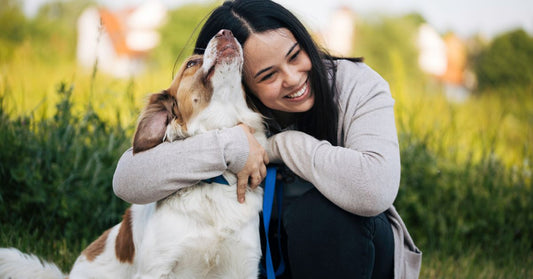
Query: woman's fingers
x=242, y=183
x=254, y=170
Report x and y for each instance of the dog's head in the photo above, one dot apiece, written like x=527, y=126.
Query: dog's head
x=200, y=79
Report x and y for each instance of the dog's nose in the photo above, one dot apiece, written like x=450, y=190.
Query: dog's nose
x=224, y=33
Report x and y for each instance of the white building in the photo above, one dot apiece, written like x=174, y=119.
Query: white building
x=339, y=35
x=432, y=57
x=118, y=42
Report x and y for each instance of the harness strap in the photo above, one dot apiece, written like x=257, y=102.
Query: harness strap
x=219, y=179
x=268, y=200
x=270, y=193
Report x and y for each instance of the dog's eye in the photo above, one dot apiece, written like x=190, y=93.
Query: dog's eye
x=192, y=63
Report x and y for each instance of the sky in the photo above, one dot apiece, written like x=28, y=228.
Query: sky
x=464, y=17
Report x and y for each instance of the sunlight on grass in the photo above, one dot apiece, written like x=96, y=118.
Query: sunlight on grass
x=483, y=124
x=29, y=86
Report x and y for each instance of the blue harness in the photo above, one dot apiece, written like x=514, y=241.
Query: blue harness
x=268, y=200
x=270, y=193
x=219, y=179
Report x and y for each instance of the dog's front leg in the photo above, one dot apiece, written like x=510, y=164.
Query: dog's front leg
x=242, y=254
x=159, y=249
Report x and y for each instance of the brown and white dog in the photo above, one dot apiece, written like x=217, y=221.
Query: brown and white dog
x=200, y=231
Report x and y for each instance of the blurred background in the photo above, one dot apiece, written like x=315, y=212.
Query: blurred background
x=75, y=74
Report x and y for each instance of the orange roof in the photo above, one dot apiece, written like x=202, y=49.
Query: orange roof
x=116, y=29
x=456, y=53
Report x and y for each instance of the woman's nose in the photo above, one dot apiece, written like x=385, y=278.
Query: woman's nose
x=291, y=77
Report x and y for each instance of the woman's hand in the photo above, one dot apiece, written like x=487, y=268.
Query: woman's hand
x=254, y=170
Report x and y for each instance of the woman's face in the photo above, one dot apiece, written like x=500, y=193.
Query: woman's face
x=276, y=70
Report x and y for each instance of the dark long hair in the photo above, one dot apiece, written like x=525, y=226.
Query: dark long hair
x=244, y=17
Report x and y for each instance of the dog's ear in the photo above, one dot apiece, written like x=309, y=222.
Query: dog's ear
x=152, y=125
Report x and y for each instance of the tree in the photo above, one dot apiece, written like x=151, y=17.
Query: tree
x=12, y=21
x=179, y=33
x=506, y=62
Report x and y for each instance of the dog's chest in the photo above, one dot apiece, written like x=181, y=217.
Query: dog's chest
x=219, y=114
x=211, y=205
x=206, y=222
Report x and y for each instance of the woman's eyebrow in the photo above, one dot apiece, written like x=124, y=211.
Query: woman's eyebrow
x=291, y=49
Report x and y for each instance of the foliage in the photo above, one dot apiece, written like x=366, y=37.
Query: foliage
x=56, y=173
x=451, y=206
x=13, y=25
x=52, y=31
x=12, y=21
x=179, y=33
x=506, y=62
x=384, y=40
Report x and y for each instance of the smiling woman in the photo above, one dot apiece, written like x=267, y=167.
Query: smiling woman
x=332, y=130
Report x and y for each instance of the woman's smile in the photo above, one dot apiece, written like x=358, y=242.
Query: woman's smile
x=301, y=94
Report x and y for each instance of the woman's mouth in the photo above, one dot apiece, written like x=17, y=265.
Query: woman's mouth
x=300, y=92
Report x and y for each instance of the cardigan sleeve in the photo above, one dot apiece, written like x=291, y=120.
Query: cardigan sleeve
x=156, y=173
x=362, y=174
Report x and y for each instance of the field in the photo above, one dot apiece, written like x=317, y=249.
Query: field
x=466, y=192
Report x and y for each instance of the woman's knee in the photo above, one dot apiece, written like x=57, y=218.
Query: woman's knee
x=313, y=213
x=333, y=241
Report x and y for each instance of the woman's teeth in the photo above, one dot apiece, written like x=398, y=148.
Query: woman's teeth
x=299, y=93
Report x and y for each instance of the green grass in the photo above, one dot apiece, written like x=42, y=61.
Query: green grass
x=471, y=263
x=470, y=215
x=475, y=263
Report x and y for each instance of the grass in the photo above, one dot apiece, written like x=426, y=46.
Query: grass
x=465, y=212
x=472, y=263
x=475, y=264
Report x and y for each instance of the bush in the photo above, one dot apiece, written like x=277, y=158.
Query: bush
x=56, y=173
x=449, y=206
x=179, y=34
x=506, y=62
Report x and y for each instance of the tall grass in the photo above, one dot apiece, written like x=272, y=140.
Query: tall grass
x=30, y=86
x=56, y=172
x=56, y=194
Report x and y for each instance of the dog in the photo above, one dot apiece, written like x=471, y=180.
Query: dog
x=200, y=231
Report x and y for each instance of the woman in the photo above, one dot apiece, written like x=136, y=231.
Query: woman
x=332, y=125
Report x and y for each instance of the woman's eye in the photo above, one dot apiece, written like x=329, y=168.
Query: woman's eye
x=295, y=55
x=267, y=77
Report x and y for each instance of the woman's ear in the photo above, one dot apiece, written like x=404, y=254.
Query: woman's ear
x=152, y=125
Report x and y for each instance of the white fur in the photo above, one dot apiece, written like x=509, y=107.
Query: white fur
x=198, y=232
x=16, y=265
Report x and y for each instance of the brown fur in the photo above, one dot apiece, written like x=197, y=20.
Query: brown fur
x=187, y=95
x=154, y=120
x=124, y=247
x=97, y=247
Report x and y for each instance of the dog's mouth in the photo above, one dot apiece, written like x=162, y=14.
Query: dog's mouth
x=210, y=72
x=228, y=51
x=224, y=49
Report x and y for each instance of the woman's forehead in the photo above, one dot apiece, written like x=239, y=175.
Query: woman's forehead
x=261, y=47
x=280, y=35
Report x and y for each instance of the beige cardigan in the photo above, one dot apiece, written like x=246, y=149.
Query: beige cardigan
x=361, y=175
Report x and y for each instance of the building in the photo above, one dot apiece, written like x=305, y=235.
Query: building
x=118, y=42
x=445, y=58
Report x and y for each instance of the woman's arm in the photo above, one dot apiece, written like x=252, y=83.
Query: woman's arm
x=363, y=175
x=154, y=174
